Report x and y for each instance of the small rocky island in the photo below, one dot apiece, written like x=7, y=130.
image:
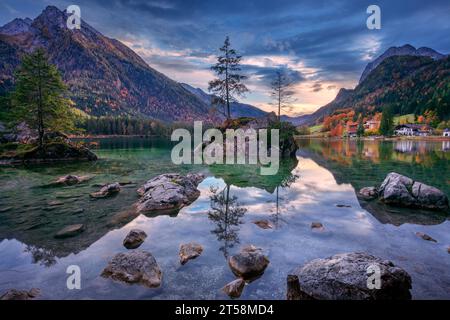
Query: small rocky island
x=20, y=146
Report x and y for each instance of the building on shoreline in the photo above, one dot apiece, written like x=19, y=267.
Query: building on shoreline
x=413, y=130
x=446, y=132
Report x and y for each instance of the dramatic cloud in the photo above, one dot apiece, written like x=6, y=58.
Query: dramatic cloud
x=321, y=44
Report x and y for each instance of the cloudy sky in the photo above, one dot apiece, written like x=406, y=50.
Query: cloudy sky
x=325, y=45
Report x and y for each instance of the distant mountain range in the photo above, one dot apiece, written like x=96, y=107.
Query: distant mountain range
x=104, y=76
x=237, y=109
x=407, y=79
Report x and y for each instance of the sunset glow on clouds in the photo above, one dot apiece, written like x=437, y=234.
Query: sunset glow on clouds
x=323, y=45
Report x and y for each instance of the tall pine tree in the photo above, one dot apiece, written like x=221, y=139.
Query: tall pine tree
x=228, y=83
x=39, y=97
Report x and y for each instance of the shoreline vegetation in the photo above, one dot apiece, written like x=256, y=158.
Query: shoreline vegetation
x=371, y=138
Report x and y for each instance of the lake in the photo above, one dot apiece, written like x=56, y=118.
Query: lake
x=318, y=186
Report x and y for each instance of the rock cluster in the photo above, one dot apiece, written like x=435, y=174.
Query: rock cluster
x=399, y=190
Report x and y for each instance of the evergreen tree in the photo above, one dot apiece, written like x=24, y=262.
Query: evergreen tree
x=228, y=84
x=387, y=122
x=39, y=96
x=360, y=130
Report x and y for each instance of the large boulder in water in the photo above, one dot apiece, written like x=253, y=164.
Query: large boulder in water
x=346, y=276
x=249, y=263
x=135, y=266
x=169, y=192
x=400, y=190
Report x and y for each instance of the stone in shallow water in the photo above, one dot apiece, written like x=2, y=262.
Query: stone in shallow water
x=249, y=263
x=234, y=288
x=135, y=266
x=134, y=239
x=369, y=193
x=55, y=203
x=70, y=231
x=343, y=206
x=189, y=251
x=345, y=277
x=13, y=294
x=169, y=192
x=71, y=180
x=107, y=191
x=448, y=249
x=317, y=225
x=424, y=236
x=263, y=224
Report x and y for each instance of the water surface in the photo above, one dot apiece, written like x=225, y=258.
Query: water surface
x=308, y=189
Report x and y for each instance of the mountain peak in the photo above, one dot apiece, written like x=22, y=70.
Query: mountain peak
x=405, y=50
x=16, y=26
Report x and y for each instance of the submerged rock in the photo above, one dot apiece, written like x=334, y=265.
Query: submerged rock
x=168, y=192
x=400, y=190
x=134, y=239
x=70, y=231
x=263, y=224
x=55, y=203
x=5, y=209
x=369, y=193
x=190, y=251
x=249, y=263
x=234, y=288
x=424, y=236
x=135, y=266
x=71, y=180
x=317, y=225
x=345, y=277
x=448, y=249
x=13, y=294
x=107, y=191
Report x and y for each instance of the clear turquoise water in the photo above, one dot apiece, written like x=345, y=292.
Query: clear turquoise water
x=325, y=174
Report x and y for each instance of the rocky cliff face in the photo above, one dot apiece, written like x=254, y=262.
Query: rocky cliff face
x=104, y=76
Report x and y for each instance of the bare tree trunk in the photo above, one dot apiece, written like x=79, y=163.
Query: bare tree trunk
x=227, y=89
x=279, y=102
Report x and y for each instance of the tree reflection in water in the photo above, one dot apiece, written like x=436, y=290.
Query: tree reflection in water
x=227, y=214
x=286, y=183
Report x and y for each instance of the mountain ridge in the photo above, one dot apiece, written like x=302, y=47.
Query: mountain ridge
x=409, y=83
x=104, y=76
